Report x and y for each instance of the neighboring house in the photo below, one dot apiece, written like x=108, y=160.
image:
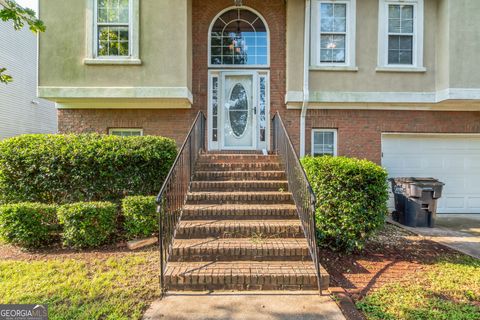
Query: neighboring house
x=21, y=111
x=396, y=82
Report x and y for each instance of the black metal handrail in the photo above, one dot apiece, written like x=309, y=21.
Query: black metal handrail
x=173, y=193
x=303, y=195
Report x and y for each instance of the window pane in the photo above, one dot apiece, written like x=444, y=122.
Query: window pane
x=407, y=26
x=340, y=10
x=326, y=10
x=340, y=25
x=113, y=41
x=238, y=42
x=126, y=133
x=406, y=42
x=324, y=143
x=332, y=48
x=394, y=42
x=394, y=11
x=394, y=26
x=405, y=57
x=400, y=19
x=333, y=17
x=407, y=12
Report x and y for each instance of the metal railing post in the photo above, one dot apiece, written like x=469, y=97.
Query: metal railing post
x=298, y=184
x=172, y=195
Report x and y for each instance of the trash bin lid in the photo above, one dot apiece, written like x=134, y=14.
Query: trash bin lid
x=421, y=182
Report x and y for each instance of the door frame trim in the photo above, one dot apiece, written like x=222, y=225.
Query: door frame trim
x=220, y=74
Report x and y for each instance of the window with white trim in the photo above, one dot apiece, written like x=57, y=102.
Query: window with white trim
x=324, y=142
x=125, y=132
x=113, y=28
x=333, y=33
x=113, y=32
x=401, y=33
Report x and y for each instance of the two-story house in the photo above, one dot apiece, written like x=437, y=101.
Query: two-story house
x=393, y=81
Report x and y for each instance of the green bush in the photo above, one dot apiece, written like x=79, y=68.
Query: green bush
x=351, y=200
x=30, y=225
x=87, y=224
x=140, y=216
x=74, y=168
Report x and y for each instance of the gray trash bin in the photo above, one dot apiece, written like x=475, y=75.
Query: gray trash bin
x=416, y=200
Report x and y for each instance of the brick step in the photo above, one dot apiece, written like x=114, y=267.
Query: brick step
x=238, y=175
x=189, y=229
x=239, y=166
x=229, y=186
x=239, y=211
x=272, y=197
x=255, y=248
x=228, y=158
x=244, y=275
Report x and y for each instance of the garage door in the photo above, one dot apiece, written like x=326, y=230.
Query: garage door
x=453, y=159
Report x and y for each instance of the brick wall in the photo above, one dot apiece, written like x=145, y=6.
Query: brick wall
x=169, y=123
x=359, y=131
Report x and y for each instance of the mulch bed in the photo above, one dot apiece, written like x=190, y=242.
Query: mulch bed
x=394, y=255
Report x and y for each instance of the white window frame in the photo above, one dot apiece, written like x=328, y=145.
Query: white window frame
x=418, y=35
x=112, y=130
x=335, y=140
x=350, y=43
x=133, y=36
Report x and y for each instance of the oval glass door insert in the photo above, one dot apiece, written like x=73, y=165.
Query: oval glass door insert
x=238, y=110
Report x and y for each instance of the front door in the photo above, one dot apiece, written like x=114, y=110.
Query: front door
x=238, y=113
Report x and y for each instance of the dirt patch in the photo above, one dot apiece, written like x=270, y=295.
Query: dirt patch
x=8, y=252
x=394, y=255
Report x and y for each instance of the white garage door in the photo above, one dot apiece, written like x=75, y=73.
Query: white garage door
x=453, y=159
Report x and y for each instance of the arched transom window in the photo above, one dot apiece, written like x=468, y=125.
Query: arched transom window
x=239, y=37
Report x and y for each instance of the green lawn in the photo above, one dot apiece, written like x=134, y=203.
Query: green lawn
x=450, y=290
x=105, y=286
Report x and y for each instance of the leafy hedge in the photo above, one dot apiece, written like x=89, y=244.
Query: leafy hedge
x=351, y=200
x=72, y=168
x=87, y=224
x=140, y=214
x=30, y=225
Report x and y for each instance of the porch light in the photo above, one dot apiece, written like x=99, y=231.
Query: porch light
x=238, y=3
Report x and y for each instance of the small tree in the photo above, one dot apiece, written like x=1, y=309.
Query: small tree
x=19, y=16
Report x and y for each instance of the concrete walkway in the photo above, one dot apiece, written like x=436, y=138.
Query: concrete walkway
x=457, y=231
x=265, y=305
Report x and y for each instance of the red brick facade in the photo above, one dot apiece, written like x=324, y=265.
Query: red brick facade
x=359, y=131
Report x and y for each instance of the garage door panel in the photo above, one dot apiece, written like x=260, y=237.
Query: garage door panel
x=453, y=159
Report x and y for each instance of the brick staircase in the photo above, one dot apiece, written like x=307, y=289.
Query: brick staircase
x=240, y=230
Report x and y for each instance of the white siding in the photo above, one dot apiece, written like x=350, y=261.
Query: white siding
x=20, y=110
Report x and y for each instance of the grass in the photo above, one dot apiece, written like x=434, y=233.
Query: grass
x=116, y=287
x=450, y=290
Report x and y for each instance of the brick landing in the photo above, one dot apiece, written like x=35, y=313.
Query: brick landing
x=240, y=230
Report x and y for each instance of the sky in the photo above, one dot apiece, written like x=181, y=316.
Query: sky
x=32, y=4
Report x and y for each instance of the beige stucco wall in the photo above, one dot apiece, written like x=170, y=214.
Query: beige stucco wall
x=366, y=79
x=165, y=47
x=464, y=44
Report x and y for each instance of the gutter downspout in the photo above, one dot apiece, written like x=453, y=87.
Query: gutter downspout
x=306, y=65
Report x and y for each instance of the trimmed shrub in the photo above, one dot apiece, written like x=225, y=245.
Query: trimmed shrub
x=140, y=214
x=351, y=200
x=29, y=225
x=87, y=224
x=90, y=167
